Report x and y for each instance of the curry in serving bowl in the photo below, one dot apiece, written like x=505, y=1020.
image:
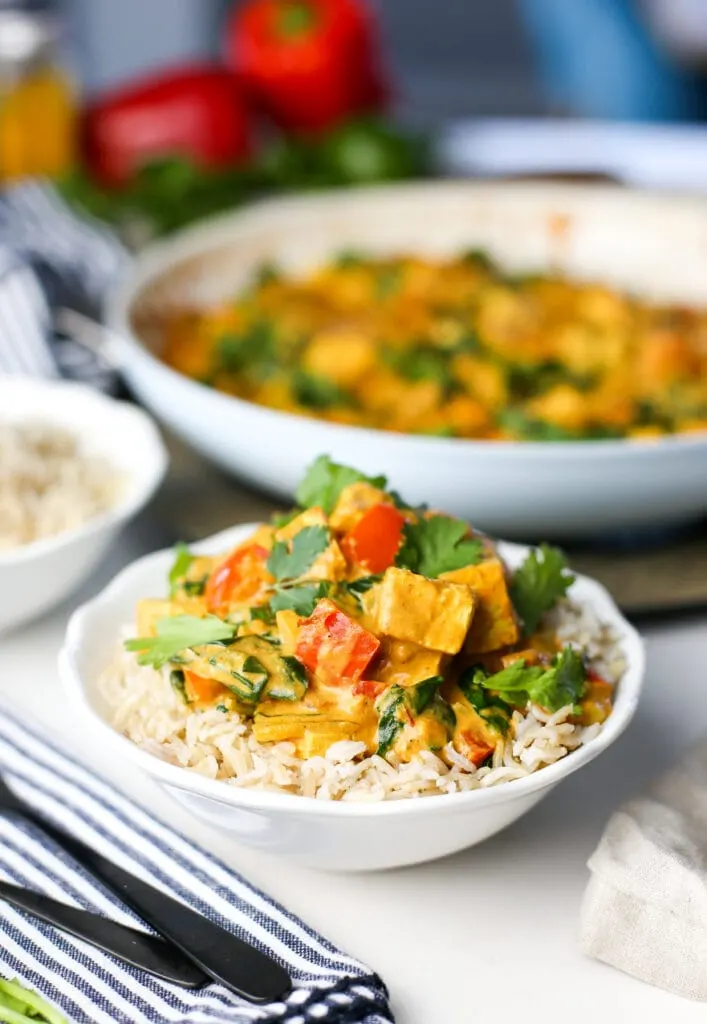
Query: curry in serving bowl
x=451, y=347
x=363, y=649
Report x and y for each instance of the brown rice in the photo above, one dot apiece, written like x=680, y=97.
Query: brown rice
x=220, y=745
x=47, y=485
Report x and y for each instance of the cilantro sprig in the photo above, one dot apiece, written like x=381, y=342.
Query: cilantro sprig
x=436, y=545
x=539, y=583
x=291, y=560
x=175, y=634
x=183, y=559
x=325, y=480
x=558, y=686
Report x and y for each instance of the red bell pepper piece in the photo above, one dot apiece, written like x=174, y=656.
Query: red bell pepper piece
x=374, y=541
x=334, y=646
x=197, y=112
x=371, y=688
x=238, y=578
x=308, y=64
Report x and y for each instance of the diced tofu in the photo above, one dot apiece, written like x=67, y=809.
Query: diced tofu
x=406, y=664
x=287, y=628
x=331, y=564
x=529, y=656
x=354, y=501
x=432, y=613
x=343, y=355
x=494, y=624
x=310, y=517
x=150, y=610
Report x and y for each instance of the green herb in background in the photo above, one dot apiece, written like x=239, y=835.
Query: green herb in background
x=21, y=1005
x=170, y=193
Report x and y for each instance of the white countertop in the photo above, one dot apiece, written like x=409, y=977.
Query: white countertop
x=483, y=933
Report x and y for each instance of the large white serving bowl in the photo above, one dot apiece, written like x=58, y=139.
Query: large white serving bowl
x=332, y=835
x=37, y=576
x=651, y=243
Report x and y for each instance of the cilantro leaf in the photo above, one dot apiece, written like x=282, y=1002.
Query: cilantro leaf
x=175, y=634
x=300, y=599
x=290, y=561
x=317, y=392
x=436, y=545
x=357, y=588
x=325, y=480
x=183, y=559
x=539, y=583
x=558, y=686
x=262, y=613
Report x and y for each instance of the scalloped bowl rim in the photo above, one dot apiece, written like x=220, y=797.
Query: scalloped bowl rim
x=176, y=777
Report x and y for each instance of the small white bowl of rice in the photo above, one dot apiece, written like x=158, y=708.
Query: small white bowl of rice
x=75, y=466
x=343, y=811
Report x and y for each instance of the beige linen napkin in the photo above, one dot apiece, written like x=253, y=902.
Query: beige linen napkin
x=645, y=908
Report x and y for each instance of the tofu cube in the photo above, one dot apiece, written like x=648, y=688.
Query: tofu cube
x=432, y=613
x=495, y=624
x=354, y=501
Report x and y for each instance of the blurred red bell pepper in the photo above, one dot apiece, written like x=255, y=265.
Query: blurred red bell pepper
x=308, y=64
x=197, y=112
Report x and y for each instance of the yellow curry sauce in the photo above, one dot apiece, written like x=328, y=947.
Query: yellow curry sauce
x=360, y=618
x=452, y=348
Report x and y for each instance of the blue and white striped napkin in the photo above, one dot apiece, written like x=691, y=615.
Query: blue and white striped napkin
x=93, y=988
x=50, y=259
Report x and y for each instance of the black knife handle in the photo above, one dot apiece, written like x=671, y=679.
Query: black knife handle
x=221, y=955
x=146, y=952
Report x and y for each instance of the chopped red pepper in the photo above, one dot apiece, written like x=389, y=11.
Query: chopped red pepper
x=473, y=747
x=239, y=578
x=374, y=540
x=371, y=688
x=309, y=64
x=334, y=646
x=197, y=112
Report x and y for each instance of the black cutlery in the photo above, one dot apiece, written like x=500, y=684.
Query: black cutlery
x=147, y=952
x=221, y=955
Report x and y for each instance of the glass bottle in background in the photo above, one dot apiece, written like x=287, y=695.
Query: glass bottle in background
x=37, y=99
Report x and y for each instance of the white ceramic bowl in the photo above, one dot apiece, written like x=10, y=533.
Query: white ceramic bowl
x=328, y=835
x=650, y=243
x=37, y=576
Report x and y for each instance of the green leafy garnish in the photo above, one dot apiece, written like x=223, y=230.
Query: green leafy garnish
x=183, y=559
x=424, y=362
x=398, y=706
x=262, y=613
x=388, y=281
x=300, y=599
x=290, y=561
x=325, y=480
x=267, y=273
x=176, y=679
x=21, y=1005
x=177, y=633
x=479, y=258
x=560, y=685
x=317, y=392
x=250, y=682
x=539, y=583
x=436, y=545
x=495, y=711
x=357, y=588
x=251, y=351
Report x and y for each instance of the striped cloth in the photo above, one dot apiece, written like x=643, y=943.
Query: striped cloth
x=93, y=988
x=49, y=259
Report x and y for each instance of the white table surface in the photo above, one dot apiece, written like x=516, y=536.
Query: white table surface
x=478, y=935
